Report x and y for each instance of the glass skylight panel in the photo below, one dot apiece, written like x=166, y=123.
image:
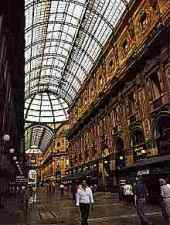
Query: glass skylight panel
x=34, y=113
x=61, y=45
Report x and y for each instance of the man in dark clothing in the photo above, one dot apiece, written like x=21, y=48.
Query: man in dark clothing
x=141, y=193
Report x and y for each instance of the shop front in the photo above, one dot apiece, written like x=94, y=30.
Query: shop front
x=151, y=170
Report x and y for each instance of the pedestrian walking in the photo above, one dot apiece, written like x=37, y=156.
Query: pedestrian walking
x=84, y=199
x=128, y=192
x=140, y=200
x=165, y=204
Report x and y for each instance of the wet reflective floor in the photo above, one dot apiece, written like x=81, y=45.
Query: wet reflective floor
x=54, y=209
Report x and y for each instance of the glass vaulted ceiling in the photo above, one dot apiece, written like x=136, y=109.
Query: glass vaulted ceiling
x=63, y=40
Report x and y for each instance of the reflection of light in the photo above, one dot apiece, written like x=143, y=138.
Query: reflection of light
x=6, y=137
x=14, y=158
x=34, y=146
x=143, y=151
x=11, y=150
x=121, y=157
x=105, y=162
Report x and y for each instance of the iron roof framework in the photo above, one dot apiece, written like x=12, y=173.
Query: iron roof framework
x=38, y=137
x=63, y=40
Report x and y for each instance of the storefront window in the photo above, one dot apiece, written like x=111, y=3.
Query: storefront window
x=156, y=85
x=120, y=156
x=138, y=144
x=163, y=135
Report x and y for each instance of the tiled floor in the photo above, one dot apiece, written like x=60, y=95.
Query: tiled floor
x=62, y=211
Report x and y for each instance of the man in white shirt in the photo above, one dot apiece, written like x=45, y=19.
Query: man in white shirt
x=84, y=199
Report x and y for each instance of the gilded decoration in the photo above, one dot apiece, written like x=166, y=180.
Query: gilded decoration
x=100, y=79
x=134, y=33
x=93, y=88
x=123, y=45
x=145, y=19
x=110, y=64
x=164, y=7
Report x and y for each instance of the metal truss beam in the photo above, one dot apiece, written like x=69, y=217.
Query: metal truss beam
x=56, y=68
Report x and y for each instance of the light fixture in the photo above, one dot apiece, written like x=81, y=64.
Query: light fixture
x=11, y=150
x=105, y=162
x=6, y=137
x=143, y=151
x=33, y=146
x=121, y=157
x=14, y=158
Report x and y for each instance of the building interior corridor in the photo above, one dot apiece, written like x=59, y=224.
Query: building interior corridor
x=84, y=95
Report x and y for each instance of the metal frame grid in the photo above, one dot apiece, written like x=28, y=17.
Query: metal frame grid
x=45, y=108
x=38, y=137
x=63, y=40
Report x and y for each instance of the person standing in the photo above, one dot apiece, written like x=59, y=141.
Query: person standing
x=84, y=199
x=128, y=192
x=141, y=193
x=165, y=205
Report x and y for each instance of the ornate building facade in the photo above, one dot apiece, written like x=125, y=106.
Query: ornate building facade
x=120, y=122
x=54, y=161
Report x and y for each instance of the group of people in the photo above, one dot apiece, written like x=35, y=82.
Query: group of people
x=137, y=193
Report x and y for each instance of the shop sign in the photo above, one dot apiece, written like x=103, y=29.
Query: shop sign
x=143, y=172
x=21, y=179
x=122, y=182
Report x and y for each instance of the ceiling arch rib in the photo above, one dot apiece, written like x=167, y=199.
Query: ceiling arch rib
x=54, y=85
x=89, y=22
x=58, y=92
x=53, y=55
x=80, y=49
x=29, y=4
x=52, y=76
x=53, y=91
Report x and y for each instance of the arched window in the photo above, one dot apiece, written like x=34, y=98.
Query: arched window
x=156, y=84
x=138, y=144
x=137, y=137
x=162, y=135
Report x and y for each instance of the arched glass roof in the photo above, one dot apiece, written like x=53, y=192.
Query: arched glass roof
x=45, y=107
x=63, y=39
x=37, y=137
